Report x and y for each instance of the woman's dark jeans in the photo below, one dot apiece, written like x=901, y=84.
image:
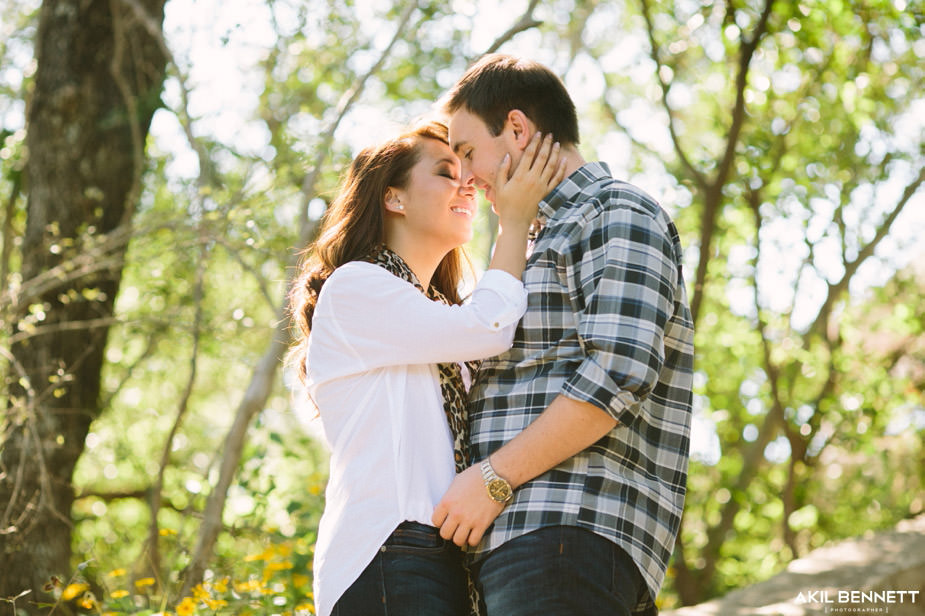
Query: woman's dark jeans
x=559, y=571
x=415, y=573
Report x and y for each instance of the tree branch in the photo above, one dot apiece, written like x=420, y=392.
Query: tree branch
x=746, y=54
x=235, y=254
x=142, y=494
x=131, y=107
x=57, y=328
x=654, y=53
x=347, y=99
x=157, y=491
x=820, y=323
x=152, y=340
x=207, y=175
x=714, y=192
x=104, y=254
x=525, y=22
x=7, y=237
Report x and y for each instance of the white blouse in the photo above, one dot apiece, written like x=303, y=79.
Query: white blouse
x=371, y=371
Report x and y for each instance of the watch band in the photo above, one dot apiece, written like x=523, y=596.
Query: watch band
x=488, y=473
x=499, y=490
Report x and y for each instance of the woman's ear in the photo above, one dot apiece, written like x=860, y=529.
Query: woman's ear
x=521, y=128
x=393, y=201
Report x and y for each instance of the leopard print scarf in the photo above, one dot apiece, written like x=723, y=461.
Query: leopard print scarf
x=451, y=382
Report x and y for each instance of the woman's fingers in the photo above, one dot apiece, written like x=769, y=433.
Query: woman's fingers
x=552, y=163
x=538, y=170
x=543, y=158
x=559, y=175
x=541, y=162
x=504, y=169
x=526, y=161
x=536, y=156
x=531, y=155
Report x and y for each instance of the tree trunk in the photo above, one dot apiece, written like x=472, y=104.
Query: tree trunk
x=97, y=84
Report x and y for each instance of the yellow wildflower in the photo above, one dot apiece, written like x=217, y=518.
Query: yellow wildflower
x=200, y=592
x=116, y=572
x=186, y=607
x=164, y=532
x=88, y=601
x=281, y=566
x=73, y=590
x=148, y=581
x=267, y=554
x=248, y=586
x=284, y=549
x=299, y=580
x=222, y=585
x=118, y=594
x=215, y=604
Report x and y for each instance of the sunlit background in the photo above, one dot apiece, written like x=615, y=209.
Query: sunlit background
x=809, y=411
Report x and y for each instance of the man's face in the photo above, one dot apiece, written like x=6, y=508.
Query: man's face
x=479, y=151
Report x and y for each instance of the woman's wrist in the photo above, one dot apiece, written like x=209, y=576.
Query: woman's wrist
x=514, y=225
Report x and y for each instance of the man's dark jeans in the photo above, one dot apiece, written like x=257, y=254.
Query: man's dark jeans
x=415, y=573
x=559, y=571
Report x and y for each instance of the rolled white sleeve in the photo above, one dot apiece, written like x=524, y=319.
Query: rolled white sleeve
x=369, y=318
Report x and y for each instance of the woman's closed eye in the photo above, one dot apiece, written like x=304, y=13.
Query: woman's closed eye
x=448, y=170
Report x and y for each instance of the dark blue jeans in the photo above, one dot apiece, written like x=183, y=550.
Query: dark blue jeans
x=559, y=571
x=415, y=573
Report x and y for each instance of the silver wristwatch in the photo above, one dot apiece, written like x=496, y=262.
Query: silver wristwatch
x=499, y=490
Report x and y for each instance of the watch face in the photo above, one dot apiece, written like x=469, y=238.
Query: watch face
x=499, y=490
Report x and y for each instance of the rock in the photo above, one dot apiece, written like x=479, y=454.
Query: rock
x=883, y=573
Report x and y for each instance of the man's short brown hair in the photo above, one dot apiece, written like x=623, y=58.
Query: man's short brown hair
x=498, y=83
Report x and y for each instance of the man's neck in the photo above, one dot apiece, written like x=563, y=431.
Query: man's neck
x=573, y=159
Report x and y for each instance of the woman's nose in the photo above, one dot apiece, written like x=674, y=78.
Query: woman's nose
x=467, y=190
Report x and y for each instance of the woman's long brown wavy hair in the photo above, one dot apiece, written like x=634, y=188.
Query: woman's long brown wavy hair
x=354, y=226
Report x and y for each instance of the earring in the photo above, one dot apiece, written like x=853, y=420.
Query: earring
x=399, y=207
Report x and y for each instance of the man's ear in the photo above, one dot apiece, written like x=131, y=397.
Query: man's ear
x=521, y=128
x=392, y=201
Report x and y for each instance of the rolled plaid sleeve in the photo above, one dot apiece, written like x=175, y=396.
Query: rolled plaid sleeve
x=622, y=290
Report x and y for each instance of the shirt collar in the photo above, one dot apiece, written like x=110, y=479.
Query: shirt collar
x=572, y=187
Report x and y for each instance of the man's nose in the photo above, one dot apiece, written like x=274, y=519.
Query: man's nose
x=467, y=182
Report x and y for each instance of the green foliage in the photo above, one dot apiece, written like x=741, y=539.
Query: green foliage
x=808, y=397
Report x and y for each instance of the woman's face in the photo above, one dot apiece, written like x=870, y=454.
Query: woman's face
x=438, y=202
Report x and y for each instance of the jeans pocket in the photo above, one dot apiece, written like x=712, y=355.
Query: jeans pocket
x=415, y=538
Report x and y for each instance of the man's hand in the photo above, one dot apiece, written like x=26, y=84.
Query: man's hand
x=566, y=427
x=466, y=511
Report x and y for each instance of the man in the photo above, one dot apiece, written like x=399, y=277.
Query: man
x=580, y=433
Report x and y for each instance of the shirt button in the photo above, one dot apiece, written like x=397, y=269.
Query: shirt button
x=497, y=325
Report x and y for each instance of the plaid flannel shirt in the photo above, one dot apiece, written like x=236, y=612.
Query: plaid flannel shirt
x=607, y=323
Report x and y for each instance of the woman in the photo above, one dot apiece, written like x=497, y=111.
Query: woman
x=379, y=357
